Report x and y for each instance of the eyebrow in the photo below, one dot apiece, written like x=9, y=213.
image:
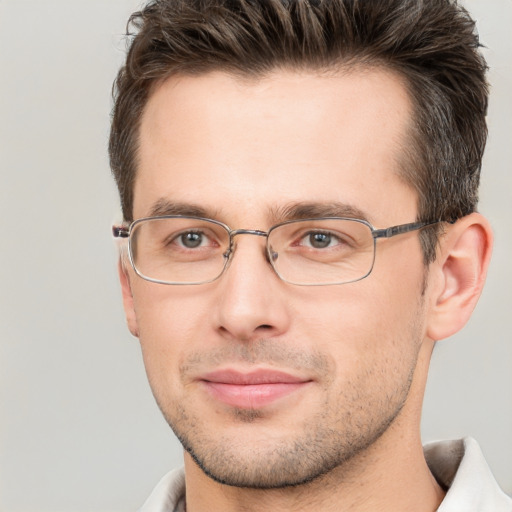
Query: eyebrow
x=163, y=207
x=315, y=210
x=291, y=211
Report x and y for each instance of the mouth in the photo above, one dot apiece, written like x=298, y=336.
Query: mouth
x=253, y=389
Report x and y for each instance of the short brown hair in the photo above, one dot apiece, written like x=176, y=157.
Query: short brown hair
x=432, y=44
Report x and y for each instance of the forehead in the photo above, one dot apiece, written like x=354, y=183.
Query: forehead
x=231, y=145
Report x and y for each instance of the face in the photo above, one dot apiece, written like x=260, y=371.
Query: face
x=266, y=383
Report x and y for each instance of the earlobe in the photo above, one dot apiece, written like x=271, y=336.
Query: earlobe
x=459, y=275
x=126, y=290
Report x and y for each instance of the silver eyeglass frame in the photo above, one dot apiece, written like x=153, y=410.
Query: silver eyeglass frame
x=125, y=232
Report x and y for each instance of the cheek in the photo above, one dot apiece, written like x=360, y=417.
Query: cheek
x=168, y=315
x=366, y=324
x=359, y=310
x=371, y=339
x=171, y=325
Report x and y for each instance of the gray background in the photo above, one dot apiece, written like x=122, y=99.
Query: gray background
x=79, y=430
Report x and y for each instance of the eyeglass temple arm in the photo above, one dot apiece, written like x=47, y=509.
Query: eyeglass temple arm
x=403, y=228
x=120, y=232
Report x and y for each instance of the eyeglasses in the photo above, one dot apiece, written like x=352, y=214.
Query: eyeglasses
x=184, y=250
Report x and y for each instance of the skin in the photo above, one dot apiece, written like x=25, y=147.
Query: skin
x=348, y=438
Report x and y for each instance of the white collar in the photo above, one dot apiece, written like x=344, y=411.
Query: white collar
x=460, y=467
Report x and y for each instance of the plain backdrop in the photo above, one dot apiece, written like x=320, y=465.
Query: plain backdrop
x=79, y=429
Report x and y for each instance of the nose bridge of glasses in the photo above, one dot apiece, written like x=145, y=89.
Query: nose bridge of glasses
x=236, y=232
x=256, y=232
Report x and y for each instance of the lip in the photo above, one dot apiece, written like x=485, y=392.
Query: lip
x=251, y=390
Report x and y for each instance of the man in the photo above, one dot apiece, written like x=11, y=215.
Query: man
x=299, y=187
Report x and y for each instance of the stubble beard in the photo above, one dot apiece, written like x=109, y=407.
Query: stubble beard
x=329, y=439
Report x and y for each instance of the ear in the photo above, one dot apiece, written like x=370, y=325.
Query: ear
x=126, y=289
x=459, y=275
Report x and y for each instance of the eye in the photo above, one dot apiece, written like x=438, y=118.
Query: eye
x=320, y=240
x=192, y=240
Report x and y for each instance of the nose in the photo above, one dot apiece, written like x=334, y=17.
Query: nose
x=252, y=300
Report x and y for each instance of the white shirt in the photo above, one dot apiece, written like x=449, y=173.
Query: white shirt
x=458, y=466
